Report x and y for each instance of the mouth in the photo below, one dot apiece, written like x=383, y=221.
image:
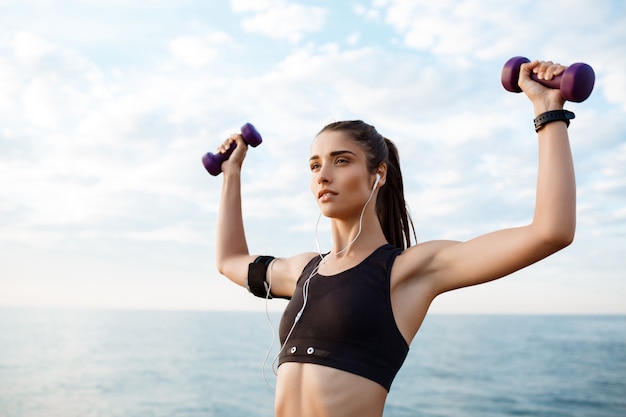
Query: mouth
x=325, y=194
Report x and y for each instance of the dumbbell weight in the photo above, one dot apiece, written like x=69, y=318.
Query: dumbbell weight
x=575, y=83
x=213, y=162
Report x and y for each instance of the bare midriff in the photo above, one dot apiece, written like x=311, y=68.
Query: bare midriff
x=309, y=390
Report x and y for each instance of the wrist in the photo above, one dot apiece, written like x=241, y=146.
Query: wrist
x=546, y=106
x=552, y=116
x=231, y=172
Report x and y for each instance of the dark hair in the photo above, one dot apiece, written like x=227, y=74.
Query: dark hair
x=391, y=207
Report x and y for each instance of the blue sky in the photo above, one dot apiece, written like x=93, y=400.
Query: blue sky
x=106, y=108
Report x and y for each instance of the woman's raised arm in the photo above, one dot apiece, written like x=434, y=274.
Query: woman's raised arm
x=232, y=255
x=452, y=265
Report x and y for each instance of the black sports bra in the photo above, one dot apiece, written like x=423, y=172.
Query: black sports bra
x=348, y=323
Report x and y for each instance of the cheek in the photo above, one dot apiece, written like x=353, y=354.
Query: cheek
x=356, y=184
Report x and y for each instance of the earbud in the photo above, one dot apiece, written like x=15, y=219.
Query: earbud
x=376, y=182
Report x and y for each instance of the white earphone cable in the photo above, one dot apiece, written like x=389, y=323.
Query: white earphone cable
x=305, y=286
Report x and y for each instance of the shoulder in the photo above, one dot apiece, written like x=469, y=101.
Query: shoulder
x=297, y=263
x=286, y=271
x=294, y=265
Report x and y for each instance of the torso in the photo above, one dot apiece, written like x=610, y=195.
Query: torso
x=307, y=389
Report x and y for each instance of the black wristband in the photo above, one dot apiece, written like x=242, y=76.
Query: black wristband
x=553, y=116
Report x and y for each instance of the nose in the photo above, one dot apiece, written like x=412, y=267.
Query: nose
x=323, y=176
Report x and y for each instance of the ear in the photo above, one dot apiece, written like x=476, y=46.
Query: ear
x=382, y=173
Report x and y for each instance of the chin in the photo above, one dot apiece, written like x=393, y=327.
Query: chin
x=335, y=213
x=327, y=210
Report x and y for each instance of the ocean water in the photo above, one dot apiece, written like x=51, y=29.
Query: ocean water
x=66, y=363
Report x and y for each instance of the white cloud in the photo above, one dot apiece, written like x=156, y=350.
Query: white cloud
x=369, y=14
x=9, y=84
x=240, y=6
x=198, y=51
x=192, y=51
x=29, y=49
x=353, y=39
x=281, y=20
x=40, y=103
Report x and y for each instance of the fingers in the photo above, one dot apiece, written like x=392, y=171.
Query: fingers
x=235, y=148
x=225, y=146
x=530, y=81
x=546, y=70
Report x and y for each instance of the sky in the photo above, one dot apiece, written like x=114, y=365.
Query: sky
x=106, y=108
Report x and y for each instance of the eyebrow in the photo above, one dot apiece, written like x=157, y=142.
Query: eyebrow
x=334, y=153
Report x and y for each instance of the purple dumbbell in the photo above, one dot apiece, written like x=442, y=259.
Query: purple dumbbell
x=575, y=83
x=213, y=162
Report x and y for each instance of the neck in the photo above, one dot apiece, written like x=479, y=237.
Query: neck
x=348, y=241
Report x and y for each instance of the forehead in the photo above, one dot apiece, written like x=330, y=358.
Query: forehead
x=327, y=142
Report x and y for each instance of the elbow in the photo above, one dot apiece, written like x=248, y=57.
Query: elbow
x=223, y=267
x=229, y=266
x=565, y=235
x=559, y=239
x=222, y=261
x=220, y=265
x=563, y=241
x=555, y=232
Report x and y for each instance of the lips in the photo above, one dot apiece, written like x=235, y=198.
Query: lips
x=325, y=194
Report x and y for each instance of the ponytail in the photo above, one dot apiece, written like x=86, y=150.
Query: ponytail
x=391, y=207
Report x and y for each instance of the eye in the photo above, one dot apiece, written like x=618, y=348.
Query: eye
x=314, y=166
x=341, y=161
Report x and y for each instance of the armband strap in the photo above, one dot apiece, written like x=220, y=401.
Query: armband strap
x=553, y=116
x=257, y=271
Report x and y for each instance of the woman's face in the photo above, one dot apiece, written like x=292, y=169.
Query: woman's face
x=340, y=182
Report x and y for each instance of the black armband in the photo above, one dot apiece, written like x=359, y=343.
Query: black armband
x=257, y=272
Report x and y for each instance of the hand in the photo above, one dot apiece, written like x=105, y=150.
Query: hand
x=235, y=161
x=543, y=98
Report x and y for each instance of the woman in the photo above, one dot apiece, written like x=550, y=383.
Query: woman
x=354, y=311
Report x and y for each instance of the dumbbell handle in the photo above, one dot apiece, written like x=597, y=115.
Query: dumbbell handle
x=213, y=162
x=575, y=83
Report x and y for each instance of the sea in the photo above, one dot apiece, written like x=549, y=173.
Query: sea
x=117, y=363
